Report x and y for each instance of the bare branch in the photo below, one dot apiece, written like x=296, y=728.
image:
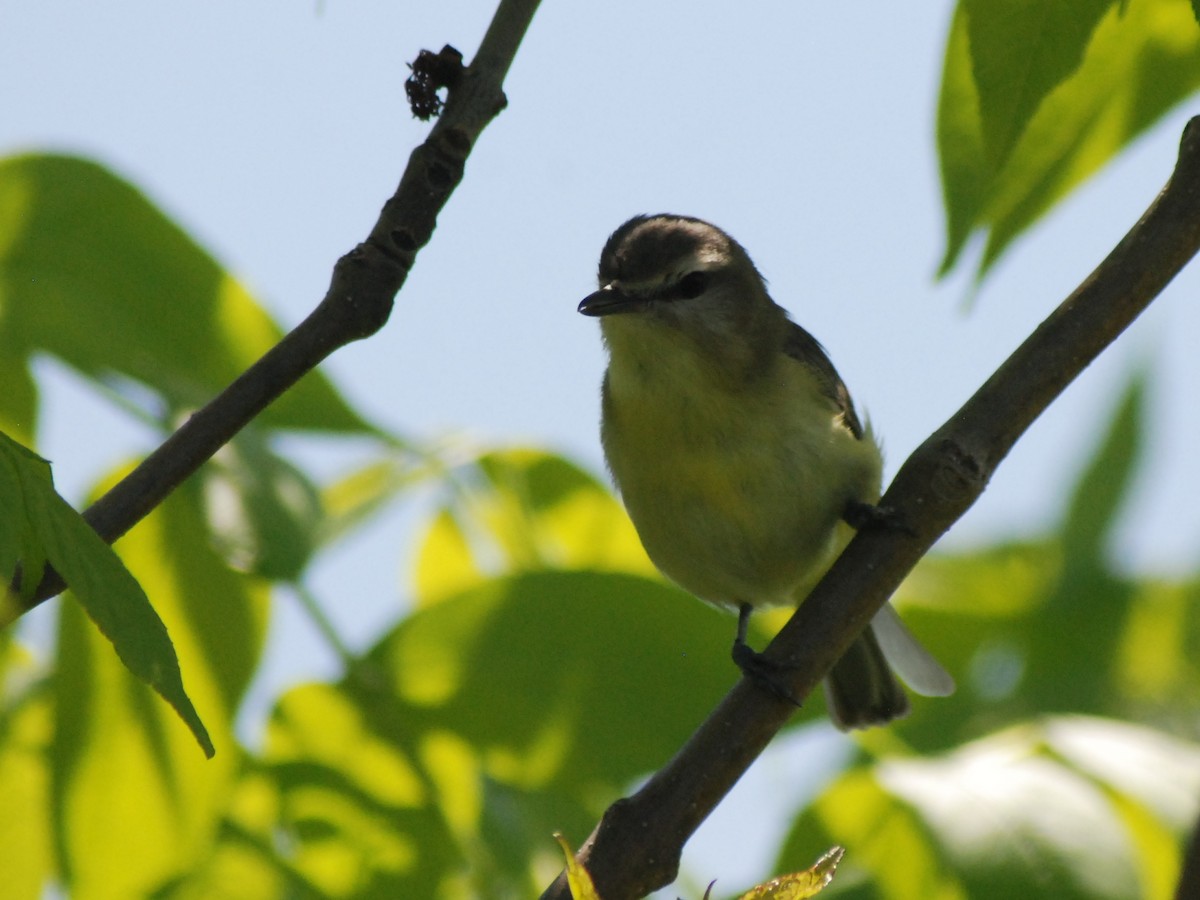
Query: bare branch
x=358, y=303
x=1189, y=878
x=637, y=845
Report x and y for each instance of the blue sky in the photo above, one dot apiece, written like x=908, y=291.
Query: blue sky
x=273, y=132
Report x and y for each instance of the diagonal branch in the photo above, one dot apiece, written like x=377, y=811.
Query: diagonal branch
x=1189, y=877
x=637, y=844
x=359, y=301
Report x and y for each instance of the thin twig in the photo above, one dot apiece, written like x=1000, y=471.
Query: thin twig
x=637, y=845
x=320, y=619
x=358, y=303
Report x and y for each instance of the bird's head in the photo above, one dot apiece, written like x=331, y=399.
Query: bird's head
x=669, y=280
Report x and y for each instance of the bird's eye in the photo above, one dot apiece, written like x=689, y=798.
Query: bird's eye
x=692, y=285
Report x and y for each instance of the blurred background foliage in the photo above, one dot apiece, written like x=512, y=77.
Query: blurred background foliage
x=542, y=667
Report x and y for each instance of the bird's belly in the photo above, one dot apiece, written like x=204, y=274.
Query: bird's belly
x=737, y=496
x=735, y=527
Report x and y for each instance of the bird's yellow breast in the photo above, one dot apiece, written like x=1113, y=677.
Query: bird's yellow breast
x=737, y=492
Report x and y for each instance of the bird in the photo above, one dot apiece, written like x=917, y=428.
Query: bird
x=737, y=450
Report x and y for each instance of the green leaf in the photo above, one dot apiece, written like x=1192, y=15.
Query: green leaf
x=115, y=602
x=1049, y=624
x=1140, y=62
x=126, y=800
x=358, y=813
x=24, y=477
x=1051, y=35
x=26, y=732
x=355, y=498
x=264, y=512
x=514, y=664
x=486, y=721
x=980, y=613
x=1069, y=807
x=94, y=274
x=1091, y=600
x=446, y=562
x=217, y=615
x=135, y=806
x=1107, y=478
x=523, y=510
x=1157, y=672
x=42, y=527
x=965, y=175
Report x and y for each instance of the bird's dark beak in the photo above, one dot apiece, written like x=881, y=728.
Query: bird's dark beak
x=608, y=301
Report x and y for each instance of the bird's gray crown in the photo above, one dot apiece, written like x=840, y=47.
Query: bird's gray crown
x=650, y=247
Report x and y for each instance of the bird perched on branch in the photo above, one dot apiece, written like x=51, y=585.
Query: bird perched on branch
x=736, y=448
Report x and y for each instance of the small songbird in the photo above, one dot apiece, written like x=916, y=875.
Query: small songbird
x=736, y=448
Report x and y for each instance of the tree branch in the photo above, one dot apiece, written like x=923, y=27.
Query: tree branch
x=359, y=301
x=1189, y=877
x=637, y=844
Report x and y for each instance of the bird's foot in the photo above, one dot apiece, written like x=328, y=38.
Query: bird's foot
x=867, y=516
x=764, y=672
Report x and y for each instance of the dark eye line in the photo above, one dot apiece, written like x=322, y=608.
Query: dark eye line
x=691, y=285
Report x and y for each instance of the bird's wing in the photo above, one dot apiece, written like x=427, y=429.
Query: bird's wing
x=806, y=349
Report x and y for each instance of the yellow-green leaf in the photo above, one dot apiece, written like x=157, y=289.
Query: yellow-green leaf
x=93, y=273
x=42, y=528
x=1051, y=37
x=1006, y=162
x=578, y=878
x=24, y=480
x=524, y=510
x=800, y=885
x=26, y=731
x=357, y=815
x=128, y=782
x=1070, y=808
x=264, y=512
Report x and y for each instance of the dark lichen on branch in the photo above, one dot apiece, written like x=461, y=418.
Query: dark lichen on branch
x=432, y=72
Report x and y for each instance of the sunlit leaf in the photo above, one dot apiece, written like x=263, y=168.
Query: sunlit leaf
x=539, y=669
x=94, y=274
x=354, y=498
x=1158, y=663
x=1036, y=811
x=264, y=512
x=1143, y=59
x=499, y=714
x=578, y=878
x=128, y=784
x=800, y=885
x=361, y=819
x=44, y=528
x=247, y=861
x=524, y=510
x=1051, y=37
x=446, y=563
x=26, y=730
